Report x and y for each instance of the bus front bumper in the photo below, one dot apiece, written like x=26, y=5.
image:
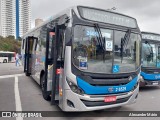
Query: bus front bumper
x=144, y=82
x=75, y=102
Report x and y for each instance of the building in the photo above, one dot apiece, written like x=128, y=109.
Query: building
x=24, y=17
x=8, y=17
x=15, y=17
x=38, y=22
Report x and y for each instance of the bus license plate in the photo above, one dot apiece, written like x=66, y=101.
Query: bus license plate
x=110, y=99
x=155, y=83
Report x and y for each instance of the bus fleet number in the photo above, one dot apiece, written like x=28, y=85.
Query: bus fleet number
x=120, y=89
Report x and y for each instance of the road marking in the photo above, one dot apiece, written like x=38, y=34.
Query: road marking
x=17, y=98
x=9, y=76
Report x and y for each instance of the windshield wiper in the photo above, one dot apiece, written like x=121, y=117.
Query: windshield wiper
x=100, y=37
x=124, y=42
x=101, y=41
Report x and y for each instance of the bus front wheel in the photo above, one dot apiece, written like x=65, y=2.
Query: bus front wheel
x=4, y=61
x=46, y=95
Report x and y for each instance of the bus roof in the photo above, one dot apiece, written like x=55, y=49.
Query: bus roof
x=6, y=52
x=68, y=12
x=144, y=32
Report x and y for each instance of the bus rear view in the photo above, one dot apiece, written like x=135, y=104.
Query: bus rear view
x=150, y=75
x=86, y=59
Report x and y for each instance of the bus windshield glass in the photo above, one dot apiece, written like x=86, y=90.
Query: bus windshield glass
x=150, y=54
x=89, y=54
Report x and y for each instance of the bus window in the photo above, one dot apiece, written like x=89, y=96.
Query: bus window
x=51, y=39
x=35, y=44
x=23, y=43
x=31, y=45
x=60, y=48
x=158, y=56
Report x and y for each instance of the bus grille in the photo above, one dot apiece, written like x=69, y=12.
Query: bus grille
x=151, y=71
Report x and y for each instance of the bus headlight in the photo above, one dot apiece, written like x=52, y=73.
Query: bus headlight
x=75, y=88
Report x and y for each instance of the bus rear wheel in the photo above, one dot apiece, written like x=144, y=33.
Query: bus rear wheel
x=27, y=74
x=4, y=61
x=46, y=95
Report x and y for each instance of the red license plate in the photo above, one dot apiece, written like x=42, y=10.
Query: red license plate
x=110, y=99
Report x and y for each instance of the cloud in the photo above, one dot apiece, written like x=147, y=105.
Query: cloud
x=145, y=11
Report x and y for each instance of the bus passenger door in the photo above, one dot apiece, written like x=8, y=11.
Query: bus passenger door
x=53, y=64
x=58, y=62
x=28, y=54
x=47, y=81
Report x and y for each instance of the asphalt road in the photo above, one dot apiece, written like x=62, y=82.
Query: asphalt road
x=21, y=93
x=10, y=69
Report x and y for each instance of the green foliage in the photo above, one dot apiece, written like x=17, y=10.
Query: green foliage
x=10, y=44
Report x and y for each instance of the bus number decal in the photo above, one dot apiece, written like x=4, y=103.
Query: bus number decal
x=120, y=89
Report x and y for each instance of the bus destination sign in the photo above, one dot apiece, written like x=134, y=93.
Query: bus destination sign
x=151, y=37
x=107, y=17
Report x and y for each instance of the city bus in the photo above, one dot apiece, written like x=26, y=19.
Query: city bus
x=6, y=57
x=150, y=70
x=85, y=59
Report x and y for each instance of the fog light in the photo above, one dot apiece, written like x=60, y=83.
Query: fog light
x=70, y=104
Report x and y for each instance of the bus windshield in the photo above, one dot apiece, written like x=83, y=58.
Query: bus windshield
x=89, y=54
x=150, y=54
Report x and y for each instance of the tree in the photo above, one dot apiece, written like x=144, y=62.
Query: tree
x=11, y=37
x=9, y=44
x=19, y=39
x=1, y=38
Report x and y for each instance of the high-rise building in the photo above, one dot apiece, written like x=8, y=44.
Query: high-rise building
x=24, y=16
x=7, y=17
x=15, y=17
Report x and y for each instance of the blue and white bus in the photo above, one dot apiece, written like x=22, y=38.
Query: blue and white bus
x=85, y=59
x=150, y=74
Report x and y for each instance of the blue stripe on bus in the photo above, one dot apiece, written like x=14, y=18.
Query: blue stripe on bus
x=89, y=89
x=150, y=77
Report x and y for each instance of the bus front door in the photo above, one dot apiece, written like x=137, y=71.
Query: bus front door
x=46, y=81
x=28, y=54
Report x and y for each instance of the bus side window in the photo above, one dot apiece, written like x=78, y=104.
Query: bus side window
x=51, y=39
x=35, y=44
x=61, y=48
x=158, y=52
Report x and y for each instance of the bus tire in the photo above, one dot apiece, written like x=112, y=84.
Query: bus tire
x=4, y=61
x=46, y=95
x=27, y=74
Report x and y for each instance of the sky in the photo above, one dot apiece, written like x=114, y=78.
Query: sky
x=147, y=12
